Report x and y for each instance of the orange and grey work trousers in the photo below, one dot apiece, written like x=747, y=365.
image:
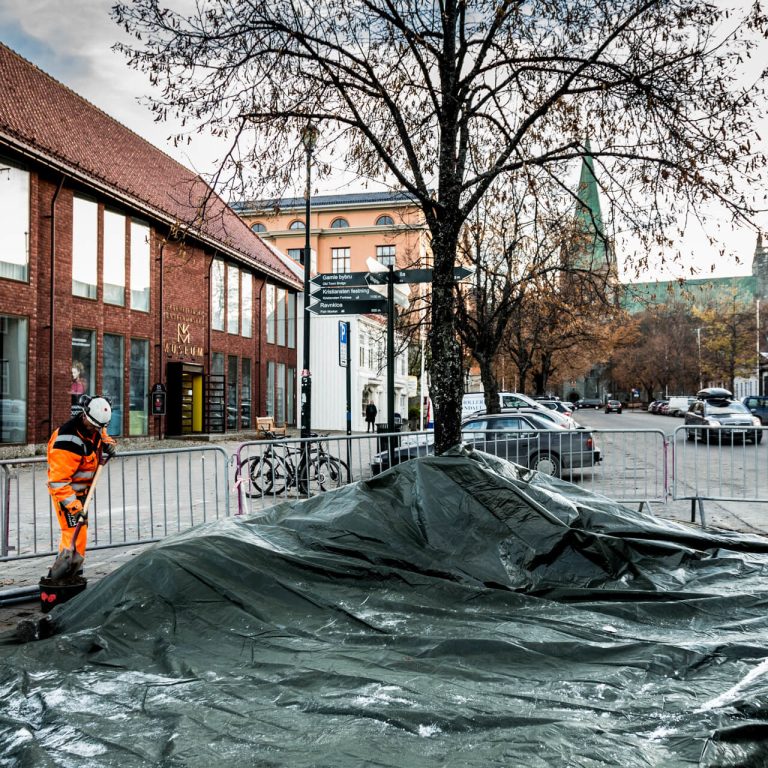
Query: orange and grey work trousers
x=67, y=523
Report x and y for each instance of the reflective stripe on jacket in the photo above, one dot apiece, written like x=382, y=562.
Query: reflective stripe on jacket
x=73, y=456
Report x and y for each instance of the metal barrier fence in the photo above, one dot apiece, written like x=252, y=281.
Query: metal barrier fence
x=628, y=466
x=718, y=464
x=145, y=495
x=634, y=466
x=142, y=496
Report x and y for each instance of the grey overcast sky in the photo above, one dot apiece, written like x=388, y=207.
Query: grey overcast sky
x=72, y=39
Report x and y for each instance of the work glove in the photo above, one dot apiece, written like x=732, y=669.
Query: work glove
x=110, y=449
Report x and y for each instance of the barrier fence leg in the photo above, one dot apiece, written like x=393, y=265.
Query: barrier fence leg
x=697, y=502
x=5, y=518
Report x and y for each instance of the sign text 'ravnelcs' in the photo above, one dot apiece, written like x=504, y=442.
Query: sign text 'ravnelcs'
x=376, y=306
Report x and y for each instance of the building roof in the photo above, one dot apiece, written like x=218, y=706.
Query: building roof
x=589, y=216
x=351, y=200
x=639, y=296
x=46, y=121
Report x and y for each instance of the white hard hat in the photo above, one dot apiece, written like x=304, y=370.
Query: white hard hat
x=98, y=411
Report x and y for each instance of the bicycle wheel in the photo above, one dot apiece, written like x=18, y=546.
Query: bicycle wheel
x=342, y=468
x=328, y=473
x=266, y=476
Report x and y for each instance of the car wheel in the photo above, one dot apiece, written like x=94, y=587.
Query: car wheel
x=547, y=464
x=757, y=437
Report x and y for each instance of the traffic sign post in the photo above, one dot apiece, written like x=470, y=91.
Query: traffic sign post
x=376, y=306
x=349, y=279
x=350, y=293
x=344, y=360
x=343, y=343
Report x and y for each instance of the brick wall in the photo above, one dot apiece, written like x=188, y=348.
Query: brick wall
x=184, y=297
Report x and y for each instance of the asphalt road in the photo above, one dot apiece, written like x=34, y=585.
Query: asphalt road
x=715, y=470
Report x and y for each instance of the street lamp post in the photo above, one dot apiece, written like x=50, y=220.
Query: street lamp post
x=698, y=344
x=757, y=327
x=309, y=139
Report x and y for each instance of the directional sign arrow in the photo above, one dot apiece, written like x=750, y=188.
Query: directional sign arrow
x=376, y=306
x=328, y=279
x=345, y=293
x=424, y=275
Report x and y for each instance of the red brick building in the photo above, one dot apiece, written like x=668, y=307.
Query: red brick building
x=122, y=273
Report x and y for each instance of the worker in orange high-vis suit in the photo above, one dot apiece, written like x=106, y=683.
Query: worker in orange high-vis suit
x=75, y=451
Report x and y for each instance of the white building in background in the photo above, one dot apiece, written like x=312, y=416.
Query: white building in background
x=368, y=371
x=368, y=366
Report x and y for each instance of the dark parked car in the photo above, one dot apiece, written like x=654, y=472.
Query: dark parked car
x=613, y=406
x=588, y=402
x=758, y=406
x=723, y=417
x=523, y=438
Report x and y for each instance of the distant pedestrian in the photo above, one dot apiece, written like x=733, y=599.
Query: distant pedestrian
x=370, y=417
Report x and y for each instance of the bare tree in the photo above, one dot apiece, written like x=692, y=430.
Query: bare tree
x=446, y=99
x=728, y=338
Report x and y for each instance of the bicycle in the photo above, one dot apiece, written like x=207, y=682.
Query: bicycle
x=281, y=467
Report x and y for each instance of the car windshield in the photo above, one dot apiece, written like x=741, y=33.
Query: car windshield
x=723, y=409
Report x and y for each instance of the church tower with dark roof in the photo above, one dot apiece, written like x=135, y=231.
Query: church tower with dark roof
x=760, y=269
x=595, y=251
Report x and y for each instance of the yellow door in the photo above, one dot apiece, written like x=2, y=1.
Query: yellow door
x=197, y=402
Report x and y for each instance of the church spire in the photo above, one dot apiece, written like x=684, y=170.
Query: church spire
x=589, y=215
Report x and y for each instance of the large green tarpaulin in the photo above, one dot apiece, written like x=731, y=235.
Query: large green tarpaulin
x=455, y=611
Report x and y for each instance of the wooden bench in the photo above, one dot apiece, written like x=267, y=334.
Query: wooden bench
x=267, y=424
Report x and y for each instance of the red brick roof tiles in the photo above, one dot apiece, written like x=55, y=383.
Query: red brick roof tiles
x=39, y=114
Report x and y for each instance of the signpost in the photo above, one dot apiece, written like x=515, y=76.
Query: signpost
x=338, y=279
x=350, y=293
x=377, y=306
x=345, y=362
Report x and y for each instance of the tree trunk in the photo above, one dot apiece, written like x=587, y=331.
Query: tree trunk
x=490, y=385
x=446, y=383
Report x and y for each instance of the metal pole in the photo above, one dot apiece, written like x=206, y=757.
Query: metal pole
x=349, y=380
x=391, y=349
x=757, y=326
x=309, y=136
x=698, y=343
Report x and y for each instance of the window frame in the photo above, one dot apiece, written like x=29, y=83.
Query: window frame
x=343, y=260
x=233, y=300
x=386, y=259
x=11, y=218
x=113, y=262
x=246, y=305
x=218, y=317
x=141, y=263
x=85, y=247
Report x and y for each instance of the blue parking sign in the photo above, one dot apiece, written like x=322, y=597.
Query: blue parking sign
x=343, y=341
